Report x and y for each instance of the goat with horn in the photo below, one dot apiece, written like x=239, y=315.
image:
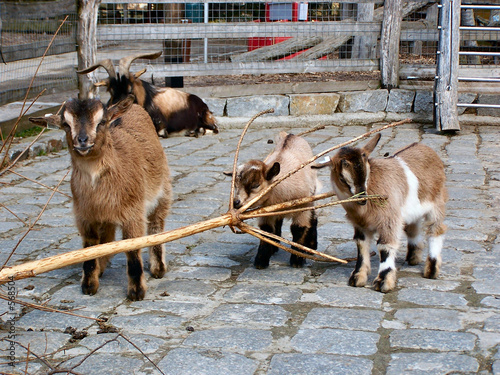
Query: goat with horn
x=171, y=110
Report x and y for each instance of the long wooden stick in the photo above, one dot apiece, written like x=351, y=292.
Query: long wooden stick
x=52, y=263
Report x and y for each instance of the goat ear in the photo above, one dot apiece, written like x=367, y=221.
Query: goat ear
x=325, y=163
x=228, y=173
x=273, y=171
x=372, y=143
x=51, y=121
x=119, y=109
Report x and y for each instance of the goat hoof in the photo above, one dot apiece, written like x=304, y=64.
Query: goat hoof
x=136, y=294
x=414, y=255
x=385, y=284
x=357, y=279
x=158, y=271
x=431, y=269
x=90, y=288
x=261, y=264
x=296, y=261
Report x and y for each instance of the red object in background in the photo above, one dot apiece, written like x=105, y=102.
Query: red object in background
x=279, y=12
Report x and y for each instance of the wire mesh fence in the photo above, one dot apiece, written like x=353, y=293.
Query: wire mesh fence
x=25, y=33
x=215, y=37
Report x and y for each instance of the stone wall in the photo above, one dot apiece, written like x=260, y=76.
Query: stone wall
x=397, y=101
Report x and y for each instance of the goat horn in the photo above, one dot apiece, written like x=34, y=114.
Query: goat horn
x=104, y=82
x=140, y=73
x=106, y=64
x=125, y=62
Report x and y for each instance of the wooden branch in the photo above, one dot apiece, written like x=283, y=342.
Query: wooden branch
x=52, y=263
x=235, y=163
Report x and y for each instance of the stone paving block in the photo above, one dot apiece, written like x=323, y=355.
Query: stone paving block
x=335, y=341
x=492, y=323
x=148, y=324
x=212, y=261
x=364, y=320
x=491, y=301
x=432, y=298
x=431, y=363
x=267, y=294
x=430, y=318
x=432, y=340
x=275, y=274
x=368, y=101
x=199, y=273
x=231, y=339
x=159, y=307
x=349, y=297
x=182, y=288
x=182, y=361
x=146, y=343
x=429, y=284
x=250, y=314
x=318, y=364
x=313, y=104
x=112, y=364
x=55, y=322
x=248, y=106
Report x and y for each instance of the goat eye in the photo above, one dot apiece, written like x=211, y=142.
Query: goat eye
x=256, y=186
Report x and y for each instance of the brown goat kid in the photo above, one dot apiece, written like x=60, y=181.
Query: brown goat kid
x=254, y=176
x=413, y=180
x=171, y=110
x=120, y=178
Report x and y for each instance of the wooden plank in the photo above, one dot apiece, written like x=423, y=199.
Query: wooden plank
x=278, y=50
x=446, y=87
x=230, y=30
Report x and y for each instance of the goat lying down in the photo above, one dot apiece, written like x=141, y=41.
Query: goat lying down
x=413, y=180
x=254, y=176
x=171, y=110
x=120, y=178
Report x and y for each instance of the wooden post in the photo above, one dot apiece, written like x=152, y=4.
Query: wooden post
x=365, y=45
x=446, y=83
x=389, y=44
x=86, y=40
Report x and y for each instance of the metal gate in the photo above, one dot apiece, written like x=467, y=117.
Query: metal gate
x=458, y=42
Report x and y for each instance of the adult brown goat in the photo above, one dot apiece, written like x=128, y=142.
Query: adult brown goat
x=254, y=176
x=120, y=178
x=413, y=180
x=171, y=110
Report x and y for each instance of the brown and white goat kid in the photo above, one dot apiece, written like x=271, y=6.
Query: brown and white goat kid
x=254, y=176
x=120, y=178
x=413, y=180
x=171, y=110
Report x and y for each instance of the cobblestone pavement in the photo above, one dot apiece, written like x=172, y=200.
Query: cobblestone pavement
x=214, y=313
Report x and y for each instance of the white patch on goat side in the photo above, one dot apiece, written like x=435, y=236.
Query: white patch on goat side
x=152, y=203
x=435, y=246
x=413, y=209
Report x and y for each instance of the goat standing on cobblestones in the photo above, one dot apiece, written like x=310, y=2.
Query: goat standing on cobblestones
x=120, y=178
x=254, y=176
x=171, y=110
x=413, y=180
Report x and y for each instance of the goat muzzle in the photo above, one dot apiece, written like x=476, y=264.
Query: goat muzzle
x=83, y=150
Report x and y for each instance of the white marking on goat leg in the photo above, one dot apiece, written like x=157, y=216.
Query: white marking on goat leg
x=435, y=246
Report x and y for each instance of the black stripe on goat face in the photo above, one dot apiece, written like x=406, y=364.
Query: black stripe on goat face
x=82, y=120
x=354, y=171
